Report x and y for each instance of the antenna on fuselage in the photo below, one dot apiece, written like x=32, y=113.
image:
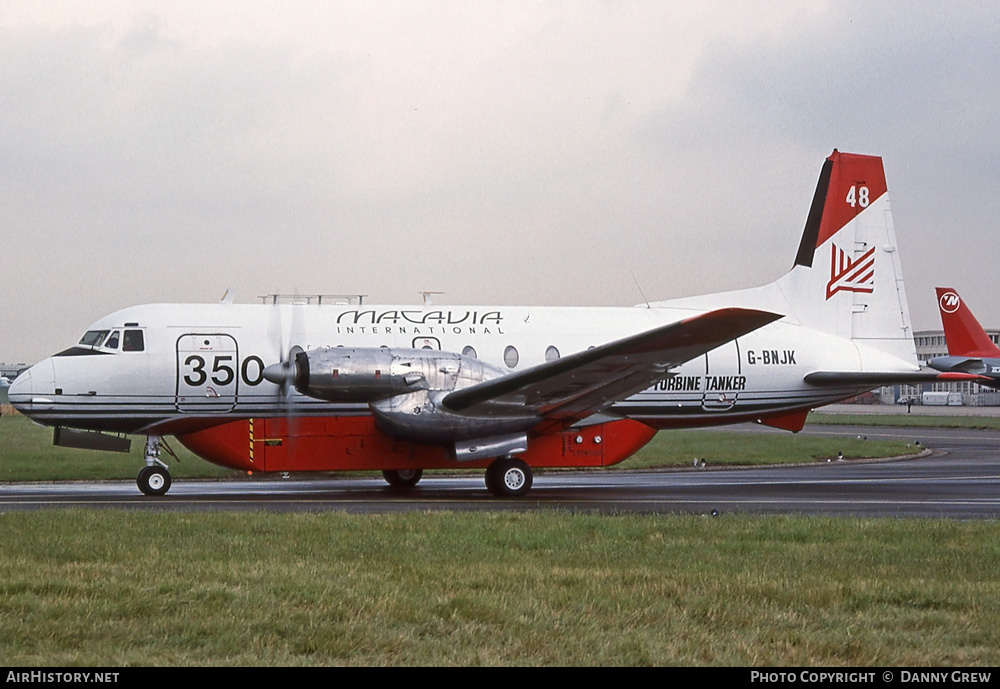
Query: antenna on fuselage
x=427, y=297
x=310, y=298
x=641, y=293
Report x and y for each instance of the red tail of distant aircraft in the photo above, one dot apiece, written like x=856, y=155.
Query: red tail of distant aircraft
x=970, y=349
x=963, y=333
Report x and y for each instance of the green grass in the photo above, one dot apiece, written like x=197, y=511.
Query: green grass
x=111, y=588
x=732, y=448
x=905, y=420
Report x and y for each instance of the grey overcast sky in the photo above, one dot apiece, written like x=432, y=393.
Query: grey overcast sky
x=501, y=152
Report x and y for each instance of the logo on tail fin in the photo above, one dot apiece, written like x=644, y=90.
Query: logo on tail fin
x=847, y=275
x=949, y=302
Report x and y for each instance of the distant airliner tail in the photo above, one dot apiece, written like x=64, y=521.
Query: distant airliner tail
x=962, y=332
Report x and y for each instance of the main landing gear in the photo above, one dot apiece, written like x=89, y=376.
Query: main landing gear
x=402, y=478
x=508, y=477
x=154, y=479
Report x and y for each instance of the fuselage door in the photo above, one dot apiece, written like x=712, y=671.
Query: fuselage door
x=723, y=378
x=207, y=377
x=426, y=343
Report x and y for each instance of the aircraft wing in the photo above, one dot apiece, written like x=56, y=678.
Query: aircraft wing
x=576, y=386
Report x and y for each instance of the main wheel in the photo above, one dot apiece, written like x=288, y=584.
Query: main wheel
x=153, y=480
x=402, y=478
x=508, y=477
x=492, y=480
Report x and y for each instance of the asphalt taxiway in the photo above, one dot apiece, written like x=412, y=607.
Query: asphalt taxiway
x=957, y=475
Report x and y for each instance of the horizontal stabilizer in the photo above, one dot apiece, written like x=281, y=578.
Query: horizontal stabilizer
x=873, y=379
x=576, y=386
x=961, y=364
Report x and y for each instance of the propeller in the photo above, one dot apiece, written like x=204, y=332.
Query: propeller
x=283, y=373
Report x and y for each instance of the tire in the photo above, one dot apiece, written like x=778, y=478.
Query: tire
x=402, y=478
x=508, y=478
x=492, y=484
x=153, y=480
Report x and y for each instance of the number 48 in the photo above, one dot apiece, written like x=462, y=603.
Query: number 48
x=857, y=196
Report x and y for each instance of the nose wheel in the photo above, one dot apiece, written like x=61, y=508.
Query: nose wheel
x=154, y=478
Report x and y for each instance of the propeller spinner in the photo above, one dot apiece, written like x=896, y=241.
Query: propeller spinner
x=287, y=373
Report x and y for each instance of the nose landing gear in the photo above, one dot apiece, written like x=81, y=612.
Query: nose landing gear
x=154, y=478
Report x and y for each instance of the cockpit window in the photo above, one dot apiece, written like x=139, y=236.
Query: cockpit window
x=93, y=338
x=133, y=341
x=112, y=342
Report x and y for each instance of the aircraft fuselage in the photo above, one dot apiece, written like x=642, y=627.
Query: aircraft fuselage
x=203, y=364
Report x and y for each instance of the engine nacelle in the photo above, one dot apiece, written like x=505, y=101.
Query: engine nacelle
x=420, y=417
x=404, y=389
x=341, y=374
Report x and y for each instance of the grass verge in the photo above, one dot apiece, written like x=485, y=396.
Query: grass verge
x=905, y=421
x=730, y=448
x=109, y=588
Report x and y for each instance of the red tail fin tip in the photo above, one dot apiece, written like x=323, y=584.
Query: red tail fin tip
x=856, y=181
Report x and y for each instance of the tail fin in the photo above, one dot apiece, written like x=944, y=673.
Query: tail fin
x=963, y=333
x=847, y=278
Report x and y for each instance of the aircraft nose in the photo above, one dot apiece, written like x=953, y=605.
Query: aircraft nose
x=25, y=388
x=19, y=391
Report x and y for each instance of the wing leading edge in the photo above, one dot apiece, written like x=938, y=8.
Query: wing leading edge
x=576, y=386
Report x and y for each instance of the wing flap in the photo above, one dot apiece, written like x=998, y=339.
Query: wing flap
x=587, y=382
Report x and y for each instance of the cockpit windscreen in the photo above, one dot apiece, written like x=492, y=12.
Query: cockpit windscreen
x=93, y=338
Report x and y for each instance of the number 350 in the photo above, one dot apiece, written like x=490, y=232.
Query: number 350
x=222, y=372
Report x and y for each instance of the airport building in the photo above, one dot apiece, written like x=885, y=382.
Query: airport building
x=10, y=371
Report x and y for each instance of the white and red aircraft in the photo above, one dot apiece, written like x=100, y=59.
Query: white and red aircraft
x=308, y=387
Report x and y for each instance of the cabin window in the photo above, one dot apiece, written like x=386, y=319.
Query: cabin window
x=551, y=353
x=112, y=342
x=133, y=341
x=510, y=356
x=469, y=351
x=93, y=338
